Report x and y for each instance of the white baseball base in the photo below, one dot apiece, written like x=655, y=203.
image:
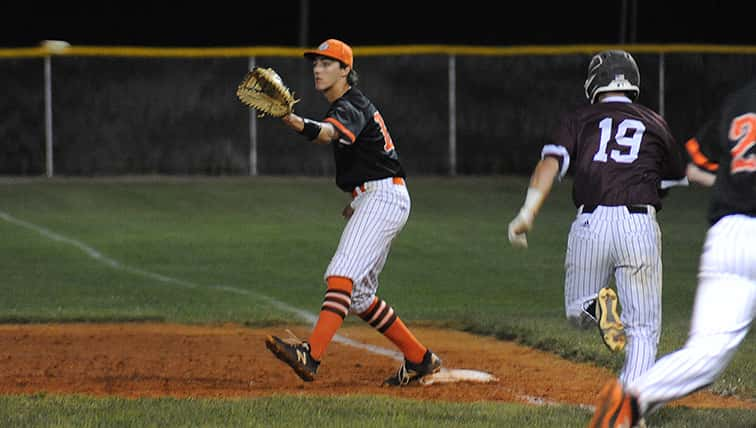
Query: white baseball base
x=457, y=375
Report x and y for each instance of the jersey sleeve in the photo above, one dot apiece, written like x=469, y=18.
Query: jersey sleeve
x=673, y=169
x=347, y=119
x=562, y=145
x=703, y=149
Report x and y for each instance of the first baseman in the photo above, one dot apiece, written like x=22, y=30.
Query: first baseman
x=368, y=169
x=725, y=303
x=623, y=157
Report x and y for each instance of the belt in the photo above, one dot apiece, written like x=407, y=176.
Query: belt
x=632, y=209
x=399, y=181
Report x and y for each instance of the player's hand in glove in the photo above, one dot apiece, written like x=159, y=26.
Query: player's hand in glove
x=264, y=90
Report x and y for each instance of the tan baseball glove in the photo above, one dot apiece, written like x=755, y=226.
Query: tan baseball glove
x=264, y=90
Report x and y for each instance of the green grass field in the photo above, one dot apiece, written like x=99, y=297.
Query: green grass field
x=212, y=250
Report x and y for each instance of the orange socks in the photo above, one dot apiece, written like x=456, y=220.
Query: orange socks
x=383, y=318
x=338, y=298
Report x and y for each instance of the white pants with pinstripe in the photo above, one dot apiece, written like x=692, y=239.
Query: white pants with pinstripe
x=612, y=242
x=723, y=311
x=380, y=213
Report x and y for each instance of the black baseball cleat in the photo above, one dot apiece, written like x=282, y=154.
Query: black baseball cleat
x=589, y=311
x=296, y=354
x=587, y=318
x=611, y=328
x=410, y=372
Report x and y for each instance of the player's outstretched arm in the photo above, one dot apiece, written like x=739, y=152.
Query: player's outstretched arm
x=317, y=132
x=540, y=185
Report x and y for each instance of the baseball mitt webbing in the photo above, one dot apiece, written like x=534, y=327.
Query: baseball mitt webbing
x=263, y=90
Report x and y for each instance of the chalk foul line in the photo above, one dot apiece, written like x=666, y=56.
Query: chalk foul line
x=446, y=375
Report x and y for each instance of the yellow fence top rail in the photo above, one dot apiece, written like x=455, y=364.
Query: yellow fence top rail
x=273, y=51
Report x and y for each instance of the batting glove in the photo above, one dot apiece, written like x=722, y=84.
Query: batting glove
x=518, y=229
x=521, y=225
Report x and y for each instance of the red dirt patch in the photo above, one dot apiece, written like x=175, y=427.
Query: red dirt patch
x=156, y=360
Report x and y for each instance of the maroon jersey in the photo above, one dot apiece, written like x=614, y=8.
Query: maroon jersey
x=364, y=150
x=620, y=153
x=733, y=149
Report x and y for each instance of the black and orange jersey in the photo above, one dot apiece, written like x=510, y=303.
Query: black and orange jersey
x=620, y=153
x=734, y=148
x=364, y=150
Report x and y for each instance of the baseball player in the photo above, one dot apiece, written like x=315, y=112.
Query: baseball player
x=623, y=157
x=368, y=169
x=725, y=302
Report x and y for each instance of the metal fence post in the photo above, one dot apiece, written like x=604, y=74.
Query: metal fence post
x=452, y=115
x=48, y=117
x=252, y=132
x=52, y=47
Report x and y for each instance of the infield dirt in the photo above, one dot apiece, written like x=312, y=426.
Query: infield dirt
x=158, y=360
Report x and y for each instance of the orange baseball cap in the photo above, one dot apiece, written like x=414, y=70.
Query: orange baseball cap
x=335, y=49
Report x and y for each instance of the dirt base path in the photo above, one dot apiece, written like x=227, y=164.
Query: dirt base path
x=154, y=360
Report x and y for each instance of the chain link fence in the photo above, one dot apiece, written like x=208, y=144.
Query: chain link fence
x=450, y=110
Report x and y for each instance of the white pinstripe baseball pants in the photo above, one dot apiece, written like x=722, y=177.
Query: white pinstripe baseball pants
x=612, y=242
x=723, y=311
x=380, y=213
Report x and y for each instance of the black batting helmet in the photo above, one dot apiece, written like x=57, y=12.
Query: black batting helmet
x=612, y=71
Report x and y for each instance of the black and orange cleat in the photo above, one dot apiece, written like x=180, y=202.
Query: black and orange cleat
x=615, y=408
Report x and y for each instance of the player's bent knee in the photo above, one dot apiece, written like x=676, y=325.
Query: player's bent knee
x=361, y=303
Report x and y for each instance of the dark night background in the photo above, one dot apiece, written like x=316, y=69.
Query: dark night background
x=278, y=23
x=179, y=115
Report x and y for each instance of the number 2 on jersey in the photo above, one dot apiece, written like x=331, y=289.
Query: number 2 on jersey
x=388, y=143
x=633, y=142
x=743, y=130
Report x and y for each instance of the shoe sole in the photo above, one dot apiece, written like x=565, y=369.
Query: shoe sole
x=281, y=354
x=609, y=324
